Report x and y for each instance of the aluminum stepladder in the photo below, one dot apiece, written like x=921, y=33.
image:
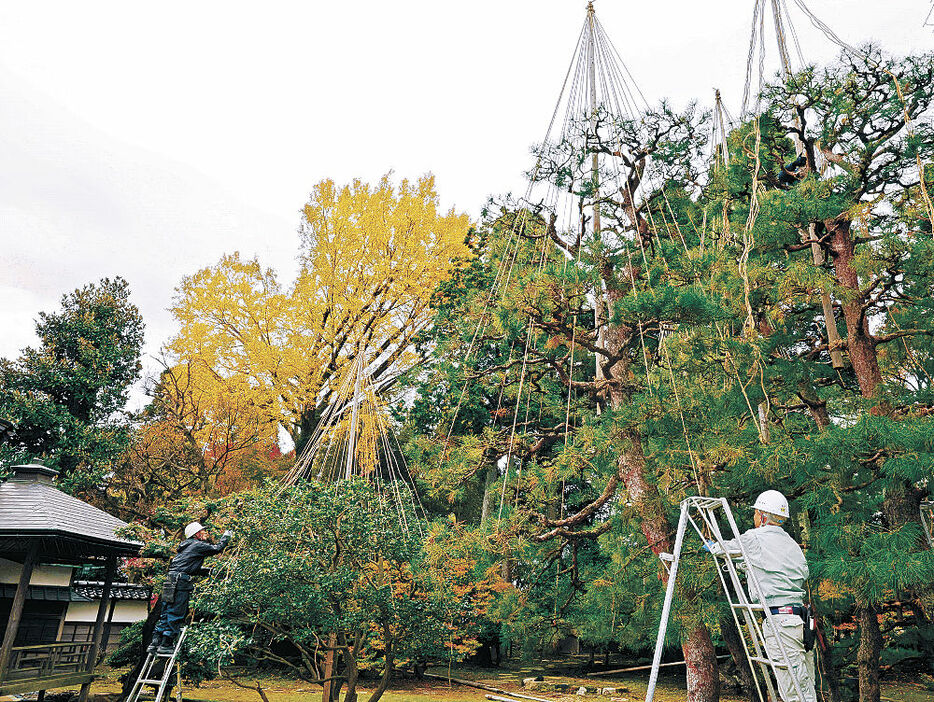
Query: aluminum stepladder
x=151, y=668
x=927, y=521
x=752, y=619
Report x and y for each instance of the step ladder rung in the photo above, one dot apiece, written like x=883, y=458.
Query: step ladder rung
x=754, y=607
x=767, y=661
x=169, y=666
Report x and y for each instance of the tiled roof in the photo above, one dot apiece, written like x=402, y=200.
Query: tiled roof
x=49, y=593
x=119, y=591
x=35, y=507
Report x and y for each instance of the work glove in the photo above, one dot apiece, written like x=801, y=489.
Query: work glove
x=707, y=546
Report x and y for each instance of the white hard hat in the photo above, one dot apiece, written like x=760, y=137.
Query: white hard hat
x=773, y=502
x=192, y=529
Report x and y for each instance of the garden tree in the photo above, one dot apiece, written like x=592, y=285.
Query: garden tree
x=66, y=397
x=330, y=566
x=864, y=123
x=187, y=443
x=566, y=463
x=729, y=385
x=370, y=258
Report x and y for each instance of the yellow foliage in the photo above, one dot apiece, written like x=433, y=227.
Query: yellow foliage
x=371, y=256
x=197, y=438
x=831, y=590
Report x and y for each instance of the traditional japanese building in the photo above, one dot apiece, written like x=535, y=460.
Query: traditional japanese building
x=44, y=534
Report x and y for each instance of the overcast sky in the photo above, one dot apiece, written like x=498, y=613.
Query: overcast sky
x=145, y=140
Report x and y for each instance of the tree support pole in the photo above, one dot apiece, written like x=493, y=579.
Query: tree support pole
x=817, y=254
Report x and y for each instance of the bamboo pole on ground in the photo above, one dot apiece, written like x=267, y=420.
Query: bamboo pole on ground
x=488, y=688
x=641, y=667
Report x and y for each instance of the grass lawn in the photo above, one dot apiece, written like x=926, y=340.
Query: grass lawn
x=631, y=688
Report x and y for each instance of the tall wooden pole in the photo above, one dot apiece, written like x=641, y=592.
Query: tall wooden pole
x=16, y=610
x=102, y=608
x=817, y=253
x=600, y=304
x=354, y=417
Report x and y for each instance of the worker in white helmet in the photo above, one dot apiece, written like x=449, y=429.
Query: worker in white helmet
x=781, y=571
x=187, y=565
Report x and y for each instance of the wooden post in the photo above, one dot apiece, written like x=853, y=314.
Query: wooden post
x=16, y=610
x=99, y=624
x=105, y=639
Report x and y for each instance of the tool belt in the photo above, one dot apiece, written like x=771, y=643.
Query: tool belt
x=171, y=585
x=810, y=623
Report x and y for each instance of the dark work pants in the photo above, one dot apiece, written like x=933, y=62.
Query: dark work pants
x=174, y=613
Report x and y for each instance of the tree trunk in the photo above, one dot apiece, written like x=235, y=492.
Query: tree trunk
x=734, y=642
x=489, y=494
x=816, y=406
x=129, y=679
x=352, y=673
x=859, y=342
x=902, y=499
x=902, y=505
x=387, y=669
x=703, y=678
x=831, y=674
x=867, y=658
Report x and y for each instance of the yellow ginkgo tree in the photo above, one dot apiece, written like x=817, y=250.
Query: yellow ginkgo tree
x=371, y=257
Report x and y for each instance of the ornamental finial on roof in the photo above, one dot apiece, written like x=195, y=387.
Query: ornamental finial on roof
x=34, y=473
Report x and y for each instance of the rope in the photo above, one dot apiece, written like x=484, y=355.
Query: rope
x=695, y=467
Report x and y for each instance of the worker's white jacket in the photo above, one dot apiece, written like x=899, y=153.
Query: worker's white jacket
x=777, y=561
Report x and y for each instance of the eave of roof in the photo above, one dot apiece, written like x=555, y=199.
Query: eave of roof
x=48, y=593
x=32, y=511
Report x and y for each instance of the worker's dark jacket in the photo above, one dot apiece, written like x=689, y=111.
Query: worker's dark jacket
x=191, y=555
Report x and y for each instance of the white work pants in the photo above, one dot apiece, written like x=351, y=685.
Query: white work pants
x=791, y=632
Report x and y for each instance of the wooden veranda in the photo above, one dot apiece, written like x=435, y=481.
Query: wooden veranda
x=39, y=524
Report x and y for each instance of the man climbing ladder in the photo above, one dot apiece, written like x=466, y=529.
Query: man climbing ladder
x=781, y=570
x=187, y=565
x=767, y=605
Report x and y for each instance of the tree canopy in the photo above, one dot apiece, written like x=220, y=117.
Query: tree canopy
x=370, y=259
x=700, y=298
x=325, y=567
x=66, y=398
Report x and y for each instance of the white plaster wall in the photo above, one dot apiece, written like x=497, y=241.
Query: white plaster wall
x=126, y=612
x=41, y=575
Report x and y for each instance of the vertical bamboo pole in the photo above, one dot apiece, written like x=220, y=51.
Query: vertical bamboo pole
x=600, y=303
x=817, y=254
